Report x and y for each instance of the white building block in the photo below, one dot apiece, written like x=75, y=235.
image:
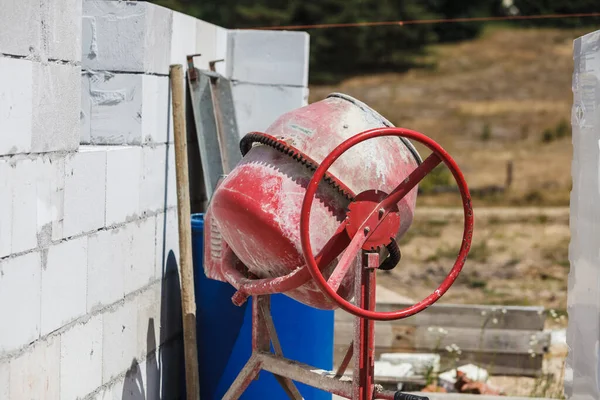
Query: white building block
x=56, y=107
x=154, y=178
x=583, y=303
x=119, y=345
x=6, y=200
x=123, y=177
x=20, y=284
x=85, y=116
x=108, y=254
x=125, y=108
x=16, y=102
x=183, y=38
x=206, y=45
x=62, y=29
x=4, y=380
x=25, y=175
x=35, y=374
x=140, y=267
x=64, y=281
x=84, y=193
x=50, y=187
x=167, y=242
x=149, y=319
x=126, y=36
x=22, y=19
x=271, y=58
x=81, y=359
x=421, y=363
x=258, y=106
x=171, y=177
x=155, y=109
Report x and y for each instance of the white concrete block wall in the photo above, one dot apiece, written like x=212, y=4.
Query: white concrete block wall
x=89, y=249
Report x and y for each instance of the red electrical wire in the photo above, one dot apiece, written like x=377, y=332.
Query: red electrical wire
x=428, y=21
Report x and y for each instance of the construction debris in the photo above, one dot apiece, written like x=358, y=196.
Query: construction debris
x=422, y=364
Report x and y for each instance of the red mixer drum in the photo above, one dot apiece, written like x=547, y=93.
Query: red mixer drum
x=253, y=220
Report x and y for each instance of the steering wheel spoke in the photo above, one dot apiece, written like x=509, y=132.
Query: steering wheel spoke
x=347, y=260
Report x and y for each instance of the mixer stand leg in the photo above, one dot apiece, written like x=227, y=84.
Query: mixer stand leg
x=360, y=387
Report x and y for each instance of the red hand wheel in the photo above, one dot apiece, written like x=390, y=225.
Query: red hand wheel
x=373, y=219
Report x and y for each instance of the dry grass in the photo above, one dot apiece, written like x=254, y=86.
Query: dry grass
x=488, y=101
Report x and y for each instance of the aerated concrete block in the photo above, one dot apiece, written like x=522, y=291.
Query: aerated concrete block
x=158, y=187
x=124, y=108
x=81, y=359
x=258, y=106
x=35, y=373
x=139, y=269
x=108, y=257
x=269, y=58
x=16, y=103
x=56, y=106
x=61, y=26
x=84, y=193
x=167, y=242
x=20, y=284
x=119, y=345
x=21, y=27
x=4, y=379
x=64, y=299
x=183, y=38
x=123, y=174
x=126, y=36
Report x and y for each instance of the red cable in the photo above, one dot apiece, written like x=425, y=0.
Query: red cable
x=428, y=21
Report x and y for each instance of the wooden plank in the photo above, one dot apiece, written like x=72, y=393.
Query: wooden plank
x=466, y=316
x=402, y=338
x=496, y=364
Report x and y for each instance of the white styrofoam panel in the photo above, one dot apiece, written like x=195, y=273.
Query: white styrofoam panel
x=16, y=103
x=56, y=107
x=258, y=106
x=126, y=36
x=64, y=283
x=85, y=188
x=81, y=359
x=20, y=283
x=119, y=344
x=35, y=373
x=140, y=270
x=123, y=178
x=108, y=254
x=268, y=57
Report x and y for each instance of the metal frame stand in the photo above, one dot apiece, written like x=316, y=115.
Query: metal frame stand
x=360, y=387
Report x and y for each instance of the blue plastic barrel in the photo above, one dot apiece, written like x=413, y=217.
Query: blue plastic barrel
x=225, y=336
x=218, y=320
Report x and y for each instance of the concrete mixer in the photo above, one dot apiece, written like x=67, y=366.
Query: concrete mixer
x=314, y=208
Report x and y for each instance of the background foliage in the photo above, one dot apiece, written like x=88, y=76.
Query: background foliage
x=337, y=53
